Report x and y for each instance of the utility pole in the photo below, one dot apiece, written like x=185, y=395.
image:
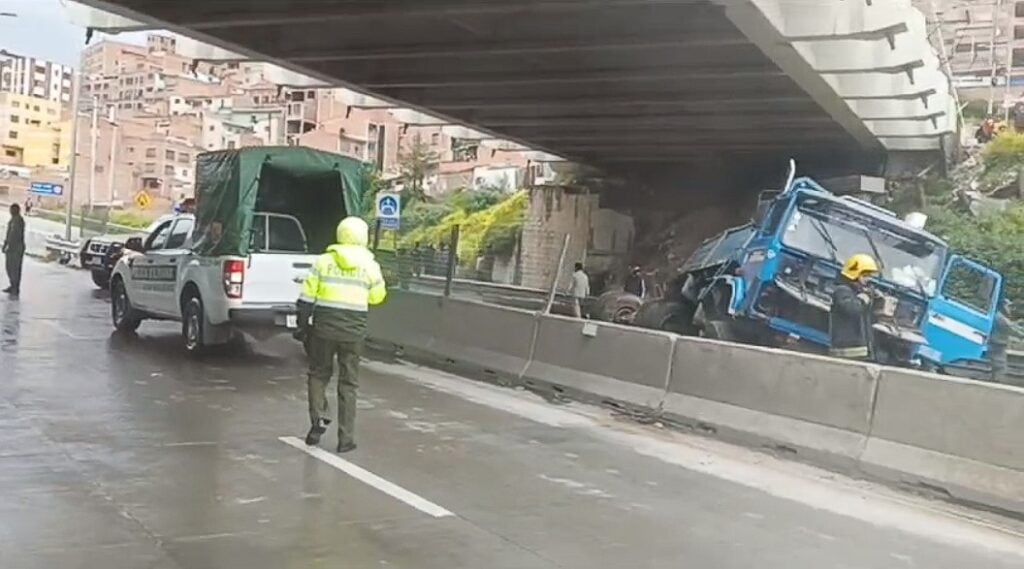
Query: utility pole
x=92, y=160
x=1009, y=69
x=996, y=9
x=69, y=214
x=111, y=168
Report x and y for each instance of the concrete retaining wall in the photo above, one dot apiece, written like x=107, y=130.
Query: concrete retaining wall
x=957, y=438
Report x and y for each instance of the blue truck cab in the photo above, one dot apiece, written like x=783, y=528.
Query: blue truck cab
x=770, y=282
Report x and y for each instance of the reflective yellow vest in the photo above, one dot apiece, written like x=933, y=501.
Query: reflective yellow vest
x=346, y=277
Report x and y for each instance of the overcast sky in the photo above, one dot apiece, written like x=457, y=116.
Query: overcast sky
x=42, y=30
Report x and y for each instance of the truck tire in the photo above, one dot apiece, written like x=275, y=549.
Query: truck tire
x=667, y=315
x=193, y=316
x=125, y=318
x=101, y=279
x=616, y=306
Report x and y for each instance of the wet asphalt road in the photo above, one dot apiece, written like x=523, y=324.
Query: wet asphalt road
x=119, y=452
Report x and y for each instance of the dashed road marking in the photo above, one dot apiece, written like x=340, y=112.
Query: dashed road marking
x=369, y=478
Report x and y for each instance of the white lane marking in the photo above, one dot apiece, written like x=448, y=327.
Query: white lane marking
x=800, y=483
x=369, y=478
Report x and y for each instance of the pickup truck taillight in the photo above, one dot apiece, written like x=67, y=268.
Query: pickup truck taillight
x=234, y=278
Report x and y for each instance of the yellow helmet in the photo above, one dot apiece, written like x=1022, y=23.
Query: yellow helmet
x=353, y=231
x=859, y=265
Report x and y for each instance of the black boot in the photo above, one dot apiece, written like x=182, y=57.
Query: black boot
x=346, y=447
x=315, y=432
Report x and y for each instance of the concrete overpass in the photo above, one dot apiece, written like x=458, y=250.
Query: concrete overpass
x=631, y=86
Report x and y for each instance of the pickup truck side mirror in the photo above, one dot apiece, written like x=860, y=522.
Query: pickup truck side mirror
x=134, y=244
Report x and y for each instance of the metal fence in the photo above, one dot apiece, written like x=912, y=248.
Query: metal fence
x=509, y=265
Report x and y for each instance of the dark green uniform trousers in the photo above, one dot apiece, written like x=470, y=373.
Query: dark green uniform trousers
x=322, y=352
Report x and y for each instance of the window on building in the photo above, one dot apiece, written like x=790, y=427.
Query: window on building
x=231, y=145
x=12, y=134
x=169, y=154
x=169, y=170
x=184, y=157
x=149, y=168
x=151, y=153
x=16, y=104
x=131, y=150
x=1018, y=10
x=212, y=128
x=99, y=168
x=435, y=138
x=15, y=119
x=10, y=153
x=35, y=108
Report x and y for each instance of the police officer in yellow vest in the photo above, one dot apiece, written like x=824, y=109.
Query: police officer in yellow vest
x=343, y=283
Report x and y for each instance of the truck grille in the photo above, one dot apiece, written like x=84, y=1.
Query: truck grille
x=98, y=248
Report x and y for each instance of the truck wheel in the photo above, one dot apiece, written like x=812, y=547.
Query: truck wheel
x=193, y=315
x=126, y=319
x=616, y=306
x=101, y=279
x=667, y=315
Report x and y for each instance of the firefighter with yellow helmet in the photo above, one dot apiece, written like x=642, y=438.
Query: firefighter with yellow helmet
x=850, y=316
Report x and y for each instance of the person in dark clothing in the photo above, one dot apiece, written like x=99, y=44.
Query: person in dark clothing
x=999, y=342
x=14, y=250
x=850, y=316
x=635, y=284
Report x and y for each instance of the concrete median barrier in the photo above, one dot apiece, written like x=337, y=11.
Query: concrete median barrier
x=613, y=362
x=957, y=437
x=407, y=320
x=799, y=403
x=494, y=339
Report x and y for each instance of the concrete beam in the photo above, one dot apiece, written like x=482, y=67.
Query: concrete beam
x=504, y=48
x=224, y=14
x=752, y=101
x=664, y=120
x=759, y=21
x=566, y=77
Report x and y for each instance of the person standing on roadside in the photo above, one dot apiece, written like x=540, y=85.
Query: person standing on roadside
x=635, y=284
x=999, y=342
x=14, y=250
x=336, y=296
x=580, y=289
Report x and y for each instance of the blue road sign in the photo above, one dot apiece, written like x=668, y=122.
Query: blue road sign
x=389, y=210
x=46, y=189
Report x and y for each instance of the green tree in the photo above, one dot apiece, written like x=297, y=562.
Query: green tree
x=415, y=164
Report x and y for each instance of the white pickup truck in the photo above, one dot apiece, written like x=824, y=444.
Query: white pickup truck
x=160, y=277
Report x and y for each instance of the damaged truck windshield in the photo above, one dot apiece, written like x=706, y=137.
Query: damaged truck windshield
x=835, y=230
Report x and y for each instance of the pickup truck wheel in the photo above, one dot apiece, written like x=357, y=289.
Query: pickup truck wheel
x=193, y=315
x=101, y=279
x=125, y=318
x=667, y=315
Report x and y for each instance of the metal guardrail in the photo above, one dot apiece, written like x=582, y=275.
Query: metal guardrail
x=62, y=250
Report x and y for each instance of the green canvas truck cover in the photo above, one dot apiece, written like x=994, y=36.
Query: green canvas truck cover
x=318, y=188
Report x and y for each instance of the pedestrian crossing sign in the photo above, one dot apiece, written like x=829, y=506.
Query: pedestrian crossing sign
x=143, y=200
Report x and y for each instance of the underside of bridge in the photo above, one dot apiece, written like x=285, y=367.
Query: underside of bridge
x=643, y=89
